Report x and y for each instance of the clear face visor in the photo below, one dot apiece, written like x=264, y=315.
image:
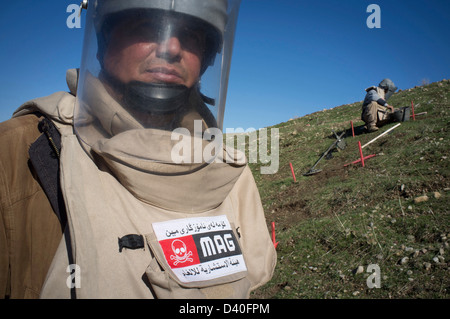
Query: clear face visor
x=149, y=68
x=389, y=92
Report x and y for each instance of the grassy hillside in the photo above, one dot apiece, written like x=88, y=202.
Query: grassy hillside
x=333, y=225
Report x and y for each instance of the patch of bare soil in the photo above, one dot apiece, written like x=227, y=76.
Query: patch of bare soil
x=290, y=205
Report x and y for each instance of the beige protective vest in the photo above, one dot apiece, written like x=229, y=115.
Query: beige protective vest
x=381, y=93
x=212, y=251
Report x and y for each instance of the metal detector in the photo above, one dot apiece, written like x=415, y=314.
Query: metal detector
x=339, y=143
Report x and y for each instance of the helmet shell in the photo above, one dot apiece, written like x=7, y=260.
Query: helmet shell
x=214, y=12
x=388, y=86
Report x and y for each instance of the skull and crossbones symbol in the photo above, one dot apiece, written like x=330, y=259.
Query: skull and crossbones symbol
x=180, y=251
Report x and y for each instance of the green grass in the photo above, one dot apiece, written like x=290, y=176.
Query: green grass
x=331, y=223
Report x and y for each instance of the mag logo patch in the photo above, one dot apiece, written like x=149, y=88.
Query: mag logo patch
x=200, y=248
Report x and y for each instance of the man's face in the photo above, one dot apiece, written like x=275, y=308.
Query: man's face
x=141, y=49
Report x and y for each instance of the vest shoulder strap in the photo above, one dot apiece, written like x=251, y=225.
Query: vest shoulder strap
x=44, y=156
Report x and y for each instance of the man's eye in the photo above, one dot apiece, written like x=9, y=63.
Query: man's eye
x=145, y=31
x=191, y=37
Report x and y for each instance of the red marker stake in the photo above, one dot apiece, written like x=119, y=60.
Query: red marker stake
x=361, y=153
x=412, y=109
x=292, y=171
x=353, y=131
x=359, y=160
x=275, y=244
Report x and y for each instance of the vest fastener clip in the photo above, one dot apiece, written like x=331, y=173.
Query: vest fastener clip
x=131, y=241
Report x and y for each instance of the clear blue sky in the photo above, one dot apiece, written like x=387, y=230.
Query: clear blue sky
x=291, y=57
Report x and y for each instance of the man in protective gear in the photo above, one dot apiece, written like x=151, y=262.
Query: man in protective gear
x=97, y=207
x=375, y=109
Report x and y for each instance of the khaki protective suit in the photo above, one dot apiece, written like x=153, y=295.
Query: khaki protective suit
x=374, y=114
x=29, y=229
x=223, y=234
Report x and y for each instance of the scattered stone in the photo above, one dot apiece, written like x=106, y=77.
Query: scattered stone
x=427, y=266
x=437, y=195
x=441, y=259
x=436, y=260
x=359, y=270
x=415, y=254
x=441, y=251
x=424, y=250
x=421, y=199
x=409, y=249
x=404, y=260
x=356, y=293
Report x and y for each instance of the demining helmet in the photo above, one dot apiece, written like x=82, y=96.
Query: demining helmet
x=151, y=64
x=388, y=86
